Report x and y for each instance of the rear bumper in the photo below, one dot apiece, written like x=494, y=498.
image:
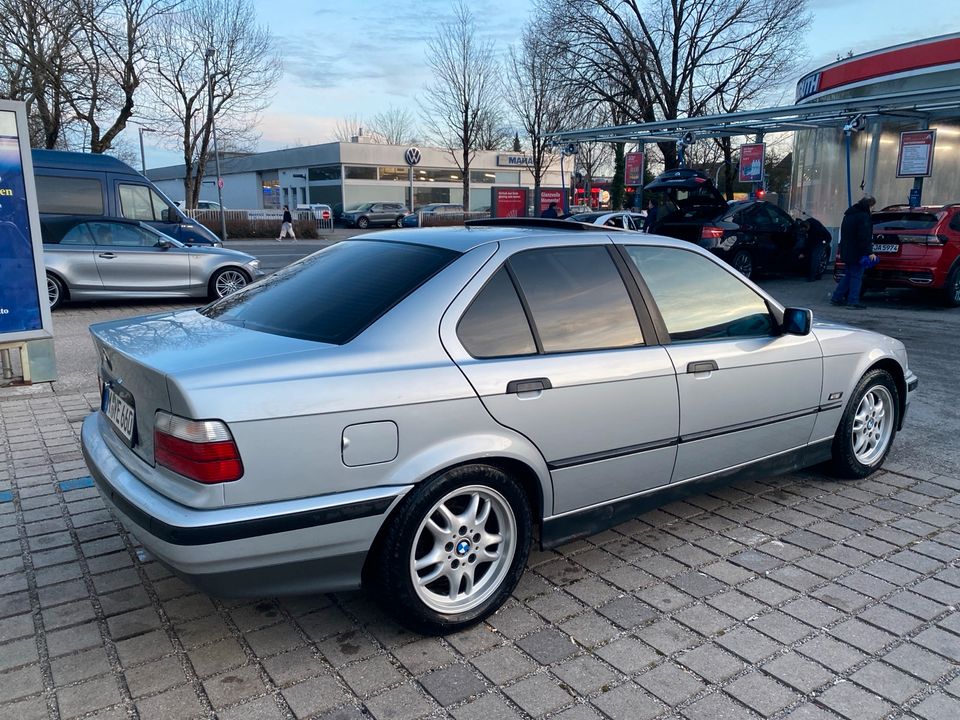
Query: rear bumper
x=314, y=544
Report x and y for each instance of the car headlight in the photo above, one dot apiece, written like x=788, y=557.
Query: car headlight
x=254, y=264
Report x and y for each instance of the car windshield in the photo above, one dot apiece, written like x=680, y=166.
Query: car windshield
x=904, y=220
x=586, y=217
x=335, y=294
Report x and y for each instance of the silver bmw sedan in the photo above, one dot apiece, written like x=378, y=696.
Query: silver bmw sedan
x=95, y=258
x=407, y=410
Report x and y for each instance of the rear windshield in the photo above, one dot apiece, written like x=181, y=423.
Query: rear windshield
x=333, y=295
x=904, y=220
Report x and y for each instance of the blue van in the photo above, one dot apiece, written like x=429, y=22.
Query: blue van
x=71, y=183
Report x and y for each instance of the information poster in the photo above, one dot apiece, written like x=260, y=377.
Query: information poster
x=509, y=202
x=20, y=309
x=751, y=162
x=916, y=153
x=547, y=196
x=633, y=169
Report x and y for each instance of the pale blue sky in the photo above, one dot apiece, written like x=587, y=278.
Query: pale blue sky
x=357, y=57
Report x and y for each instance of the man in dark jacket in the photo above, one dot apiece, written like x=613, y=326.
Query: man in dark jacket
x=550, y=212
x=856, y=251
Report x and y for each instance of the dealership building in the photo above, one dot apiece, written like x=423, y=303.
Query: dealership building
x=352, y=173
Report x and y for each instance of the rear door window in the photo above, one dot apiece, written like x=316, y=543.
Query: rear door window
x=78, y=235
x=69, y=195
x=495, y=325
x=333, y=295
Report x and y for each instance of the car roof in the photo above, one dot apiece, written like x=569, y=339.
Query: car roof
x=463, y=239
x=79, y=161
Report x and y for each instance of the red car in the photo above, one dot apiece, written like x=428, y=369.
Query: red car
x=917, y=247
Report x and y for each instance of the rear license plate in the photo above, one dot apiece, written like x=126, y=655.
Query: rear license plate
x=120, y=413
x=885, y=247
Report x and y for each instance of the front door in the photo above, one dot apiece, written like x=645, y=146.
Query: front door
x=554, y=348
x=143, y=203
x=747, y=392
x=129, y=260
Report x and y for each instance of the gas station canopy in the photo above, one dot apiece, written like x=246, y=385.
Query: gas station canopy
x=918, y=104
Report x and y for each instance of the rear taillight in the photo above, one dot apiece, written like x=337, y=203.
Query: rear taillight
x=202, y=450
x=709, y=232
x=923, y=239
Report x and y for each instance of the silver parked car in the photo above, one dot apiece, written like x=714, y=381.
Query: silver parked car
x=103, y=258
x=403, y=409
x=620, y=219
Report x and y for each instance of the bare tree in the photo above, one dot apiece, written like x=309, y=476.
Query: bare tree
x=539, y=96
x=347, y=128
x=463, y=91
x=666, y=59
x=220, y=42
x=493, y=133
x=35, y=52
x=394, y=126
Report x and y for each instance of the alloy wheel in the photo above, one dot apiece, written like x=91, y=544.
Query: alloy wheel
x=229, y=281
x=463, y=549
x=53, y=292
x=743, y=263
x=873, y=425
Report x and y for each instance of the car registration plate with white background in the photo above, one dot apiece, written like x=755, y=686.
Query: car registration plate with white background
x=120, y=413
x=885, y=247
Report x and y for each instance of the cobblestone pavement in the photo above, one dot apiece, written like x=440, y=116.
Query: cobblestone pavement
x=794, y=597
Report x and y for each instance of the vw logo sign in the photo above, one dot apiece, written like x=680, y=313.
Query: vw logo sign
x=412, y=156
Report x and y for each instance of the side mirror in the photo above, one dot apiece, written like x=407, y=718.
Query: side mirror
x=164, y=245
x=797, y=321
x=167, y=215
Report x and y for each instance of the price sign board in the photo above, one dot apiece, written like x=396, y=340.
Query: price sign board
x=916, y=153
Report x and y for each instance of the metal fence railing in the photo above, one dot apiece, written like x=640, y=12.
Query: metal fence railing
x=262, y=222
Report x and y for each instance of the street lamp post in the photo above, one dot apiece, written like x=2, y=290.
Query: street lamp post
x=143, y=162
x=207, y=61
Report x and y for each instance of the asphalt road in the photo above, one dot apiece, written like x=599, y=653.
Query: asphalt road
x=930, y=331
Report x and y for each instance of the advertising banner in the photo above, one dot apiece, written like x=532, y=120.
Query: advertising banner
x=24, y=312
x=751, y=162
x=547, y=196
x=509, y=202
x=916, y=153
x=633, y=169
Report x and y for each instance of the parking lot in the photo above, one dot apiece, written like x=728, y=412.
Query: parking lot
x=795, y=596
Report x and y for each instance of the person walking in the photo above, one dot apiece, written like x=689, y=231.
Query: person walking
x=651, y=219
x=550, y=212
x=286, y=225
x=856, y=251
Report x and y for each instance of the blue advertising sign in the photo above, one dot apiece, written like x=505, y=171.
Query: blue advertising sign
x=24, y=312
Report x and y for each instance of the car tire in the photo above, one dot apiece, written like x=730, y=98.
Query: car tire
x=56, y=291
x=443, y=533
x=226, y=281
x=951, y=291
x=363, y=223
x=399, y=222
x=868, y=426
x=824, y=261
x=742, y=262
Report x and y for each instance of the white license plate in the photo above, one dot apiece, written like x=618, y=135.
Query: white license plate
x=885, y=247
x=120, y=412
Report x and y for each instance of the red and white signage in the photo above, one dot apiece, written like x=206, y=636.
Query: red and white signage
x=509, y=202
x=916, y=153
x=633, y=169
x=547, y=196
x=751, y=162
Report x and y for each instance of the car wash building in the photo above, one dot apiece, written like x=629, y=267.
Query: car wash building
x=350, y=173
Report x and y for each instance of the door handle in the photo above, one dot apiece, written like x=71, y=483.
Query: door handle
x=107, y=256
x=528, y=385
x=702, y=366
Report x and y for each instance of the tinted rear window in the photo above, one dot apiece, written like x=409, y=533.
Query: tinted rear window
x=333, y=295
x=69, y=195
x=904, y=220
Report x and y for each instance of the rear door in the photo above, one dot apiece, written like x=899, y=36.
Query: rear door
x=129, y=260
x=559, y=348
x=76, y=259
x=746, y=391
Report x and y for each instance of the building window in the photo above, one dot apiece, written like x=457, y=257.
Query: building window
x=360, y=172
x=324, y=172
x=394, y=172
x=483, y=176
x=451, y=175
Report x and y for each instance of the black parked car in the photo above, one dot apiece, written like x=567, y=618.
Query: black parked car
x=753, y=236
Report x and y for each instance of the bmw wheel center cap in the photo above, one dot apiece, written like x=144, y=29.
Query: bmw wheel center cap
x=463, y=547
